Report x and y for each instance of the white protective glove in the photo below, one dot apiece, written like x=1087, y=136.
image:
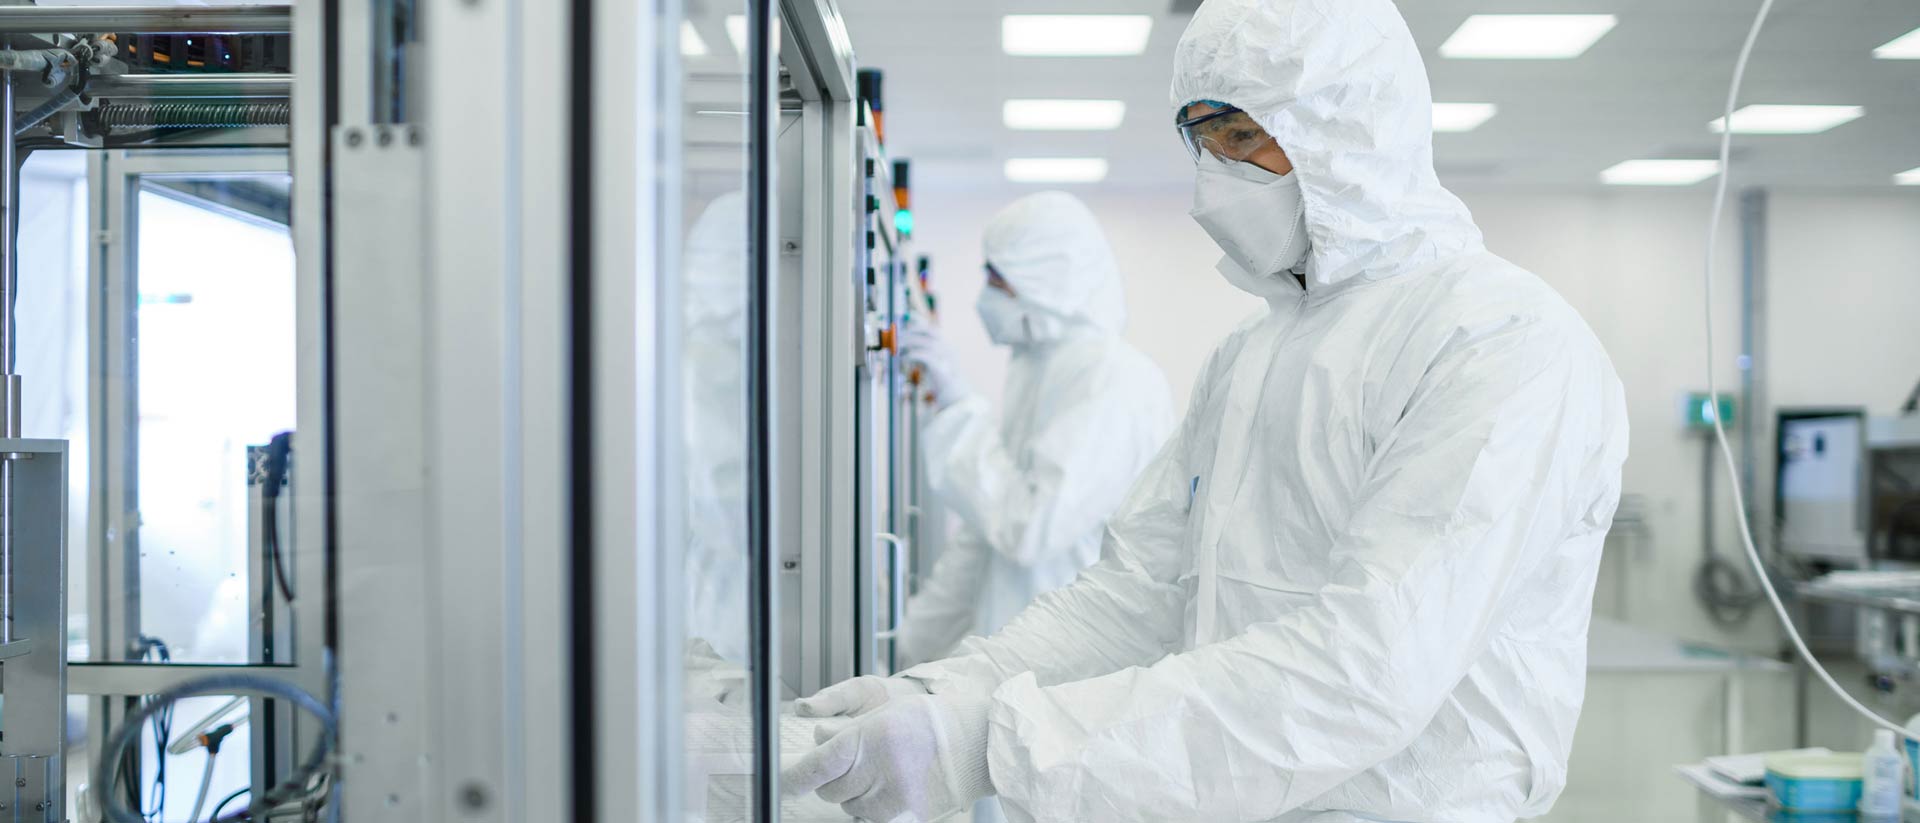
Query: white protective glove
x=856, y=696
x=941, y=383
x=920, y=758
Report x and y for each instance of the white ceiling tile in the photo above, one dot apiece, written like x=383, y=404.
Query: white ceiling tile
x=1646, y=89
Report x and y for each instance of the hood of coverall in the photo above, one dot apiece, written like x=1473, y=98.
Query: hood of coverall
x=714, y=264
x=1051, y=249
x=1340, y=86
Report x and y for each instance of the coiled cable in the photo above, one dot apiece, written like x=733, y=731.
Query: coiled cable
x=107, y=767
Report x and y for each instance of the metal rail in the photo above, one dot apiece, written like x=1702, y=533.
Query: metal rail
x=9, y=382
x=147, y=19
x=116, y=86
x=153, y=678
x=1898, y=599
x=762, y=116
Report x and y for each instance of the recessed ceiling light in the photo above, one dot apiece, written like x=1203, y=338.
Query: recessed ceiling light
x=1063, y=115
x=1057, y=169
x=1459, y=117
x=691, y=43
x=1660, y=172
x=1526, y=36
x=1762, y=118
x=1075, y=35
x=1904, y=47
x=1910, y=177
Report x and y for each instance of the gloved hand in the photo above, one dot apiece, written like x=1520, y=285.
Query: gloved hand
x=856, y=696
x=919, y=758
x=941, y=383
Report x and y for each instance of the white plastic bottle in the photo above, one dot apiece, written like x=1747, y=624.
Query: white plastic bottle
x=1911, y=747
x=1881, y=773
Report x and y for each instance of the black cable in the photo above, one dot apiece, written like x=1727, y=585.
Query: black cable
x=279, y=449
x=107, y=772
x=1720, y=585
x=129, y=761
x=227, y=800
x=155, y=649
x=1724, y=590
x=217, y=807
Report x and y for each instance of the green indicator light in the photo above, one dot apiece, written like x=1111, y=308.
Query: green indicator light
x=1701, y=411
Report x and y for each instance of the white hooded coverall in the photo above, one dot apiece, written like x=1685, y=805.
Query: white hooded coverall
x=713, y=389
x=1355, y=585
x=1082, y=413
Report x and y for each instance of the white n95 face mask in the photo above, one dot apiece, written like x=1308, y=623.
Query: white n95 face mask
x=1258, y=217
x=1012, y=323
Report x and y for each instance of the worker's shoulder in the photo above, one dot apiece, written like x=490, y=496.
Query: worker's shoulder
x=1106, y=358
x=1228, y=347
x=1234, y=339
x=1485, y=291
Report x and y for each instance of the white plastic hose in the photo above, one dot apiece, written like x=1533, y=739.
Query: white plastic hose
x=1713, y=391
x=206, y=782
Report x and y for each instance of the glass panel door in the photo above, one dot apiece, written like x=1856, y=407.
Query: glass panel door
x=188, y=549
x=214, y=346
x=709, y=419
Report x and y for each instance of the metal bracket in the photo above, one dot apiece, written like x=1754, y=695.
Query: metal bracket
x=28, y=799
x=34, y=677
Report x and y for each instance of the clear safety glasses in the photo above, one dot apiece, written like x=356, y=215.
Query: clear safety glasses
x=1228, y=134
x=997, y=280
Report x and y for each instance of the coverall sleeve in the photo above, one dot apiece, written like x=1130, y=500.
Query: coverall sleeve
x=1487, y=471
x=943, y=611
x=1124, y=610
x=1033, y=503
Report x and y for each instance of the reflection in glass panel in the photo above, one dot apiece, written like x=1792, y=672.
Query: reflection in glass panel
x=215, y=353
x=713, y=299
x=712, y=414
x=51, y=338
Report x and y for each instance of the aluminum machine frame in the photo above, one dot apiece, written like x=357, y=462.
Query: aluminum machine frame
x=484, y=218
x=45, y=92
x=501, y=370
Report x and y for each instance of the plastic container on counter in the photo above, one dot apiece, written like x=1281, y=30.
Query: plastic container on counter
x=1804, y=783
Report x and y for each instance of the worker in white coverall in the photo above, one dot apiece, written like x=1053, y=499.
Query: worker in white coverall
x=1356, y=583
x=713, y=306
x=1082, y=413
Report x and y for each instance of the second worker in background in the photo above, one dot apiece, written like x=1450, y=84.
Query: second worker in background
x=1083, y=413
x=1357, y=583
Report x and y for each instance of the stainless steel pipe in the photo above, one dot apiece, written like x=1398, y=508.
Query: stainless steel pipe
x=9, y=382
x=128, y=86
